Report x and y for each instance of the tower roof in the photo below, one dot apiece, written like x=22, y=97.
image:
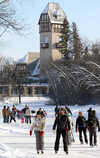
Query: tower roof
x=55, y=12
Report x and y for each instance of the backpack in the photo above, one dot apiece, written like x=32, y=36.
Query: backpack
x=92, y=121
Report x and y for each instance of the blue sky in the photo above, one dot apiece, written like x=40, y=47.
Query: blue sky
x=86, y=15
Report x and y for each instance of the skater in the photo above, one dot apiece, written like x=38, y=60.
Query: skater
x=4, y=114
x=38, y=125
x=41, y=111
x=93, y=123
x=28, y=115
x=14, y=110
x=57, y=110
x=12, y=117
x=44, y=113
x=8, y=114
x=89, y=112
x=63, y=125
x=68, y=110
x=81, y=125
x=24, y=111
x=69, y=133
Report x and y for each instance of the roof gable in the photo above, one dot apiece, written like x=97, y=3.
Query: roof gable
x=55, y=12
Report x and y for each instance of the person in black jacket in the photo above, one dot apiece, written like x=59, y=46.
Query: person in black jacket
x=93, y=123
x=89, y=112
x=63, y=125
x=81, y=125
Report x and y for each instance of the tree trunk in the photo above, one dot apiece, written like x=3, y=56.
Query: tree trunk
x=19, y=98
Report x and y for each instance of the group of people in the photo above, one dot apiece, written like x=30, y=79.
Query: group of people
x=91, y=124
x=26, y=114
x=8, y=115
x=63, y=125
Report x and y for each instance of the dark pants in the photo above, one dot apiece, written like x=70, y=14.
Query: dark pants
x=58, y=133
x=93, y=133
x=12, y=118
x=28, y=119
x=80, y=134
x=4, y=119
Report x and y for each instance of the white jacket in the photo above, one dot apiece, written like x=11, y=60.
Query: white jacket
x=38, y=124
x=28, y=112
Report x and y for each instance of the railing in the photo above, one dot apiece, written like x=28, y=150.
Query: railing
x=44, y=45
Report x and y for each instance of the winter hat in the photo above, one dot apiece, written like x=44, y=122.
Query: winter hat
x=69, y=115
x=27, y=107
x=38, y=113
x=63, y=109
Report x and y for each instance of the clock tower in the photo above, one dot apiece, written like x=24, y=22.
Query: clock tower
x=50, y=23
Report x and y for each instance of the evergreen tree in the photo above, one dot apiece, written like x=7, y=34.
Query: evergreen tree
x=65, y=38
x=76, y=41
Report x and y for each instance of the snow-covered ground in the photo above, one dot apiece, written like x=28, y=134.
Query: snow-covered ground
x=15, y=141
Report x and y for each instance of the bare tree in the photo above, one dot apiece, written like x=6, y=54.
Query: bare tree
x=10, y=18
x=76, y=83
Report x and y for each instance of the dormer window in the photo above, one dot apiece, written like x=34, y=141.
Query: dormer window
x=56, y=14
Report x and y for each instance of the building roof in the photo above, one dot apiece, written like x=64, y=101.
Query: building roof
x=32, y=59
x=55, y=12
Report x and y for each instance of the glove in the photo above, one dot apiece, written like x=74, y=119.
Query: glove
x=54, y=131
x=98, y=129
x=88, y=128
x=76, y=129
x=67, y=129
x=30, y=133
x=41, y=133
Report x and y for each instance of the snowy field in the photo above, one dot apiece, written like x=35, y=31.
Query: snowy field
x=15, y=141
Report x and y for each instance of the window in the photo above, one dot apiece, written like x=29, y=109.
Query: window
x=45, y=39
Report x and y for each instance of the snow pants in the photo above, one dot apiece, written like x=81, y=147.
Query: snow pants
x=92, y=133
x=58, y=134
x=39, y=140
x=85, y=134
